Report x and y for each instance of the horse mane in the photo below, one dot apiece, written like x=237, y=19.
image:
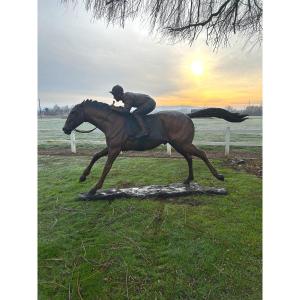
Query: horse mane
x=95, y=104
x=102, y=106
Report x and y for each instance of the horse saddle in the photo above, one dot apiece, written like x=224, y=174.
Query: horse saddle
x=152, y=123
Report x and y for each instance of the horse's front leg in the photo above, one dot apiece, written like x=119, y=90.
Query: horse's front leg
x=112, y=155
x=87, y=170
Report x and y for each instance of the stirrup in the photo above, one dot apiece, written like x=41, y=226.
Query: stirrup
x=142, y=134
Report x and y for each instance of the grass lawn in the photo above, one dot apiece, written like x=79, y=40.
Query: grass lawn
x=92, y=148
x=195, y=247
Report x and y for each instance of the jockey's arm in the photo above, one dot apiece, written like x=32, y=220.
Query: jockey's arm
x=126, y=108
x=127, y=105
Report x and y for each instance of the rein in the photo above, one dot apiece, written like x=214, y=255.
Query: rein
x=85, y=131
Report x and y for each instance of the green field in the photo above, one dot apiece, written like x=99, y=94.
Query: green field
x=196, y=247
x=50, y=134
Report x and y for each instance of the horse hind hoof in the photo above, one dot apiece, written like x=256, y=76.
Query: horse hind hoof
x=187, y=182
x=220, y=177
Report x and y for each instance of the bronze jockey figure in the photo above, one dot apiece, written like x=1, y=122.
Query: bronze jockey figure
x=144, y=104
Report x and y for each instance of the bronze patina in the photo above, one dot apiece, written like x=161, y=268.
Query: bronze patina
x=144, y=104
x=121, y=130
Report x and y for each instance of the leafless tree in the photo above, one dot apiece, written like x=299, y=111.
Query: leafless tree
x=186, y=19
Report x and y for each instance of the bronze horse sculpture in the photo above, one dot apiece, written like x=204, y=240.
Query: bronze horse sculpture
x=120, y=129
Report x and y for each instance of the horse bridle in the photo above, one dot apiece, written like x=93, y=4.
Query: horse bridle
x=88, y=131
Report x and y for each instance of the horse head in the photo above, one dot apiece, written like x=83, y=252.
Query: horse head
x=75, y=118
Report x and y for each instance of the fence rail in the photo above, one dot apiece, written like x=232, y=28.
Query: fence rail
x=226, y=143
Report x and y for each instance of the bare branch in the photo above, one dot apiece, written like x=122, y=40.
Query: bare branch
x=182, y=20
x=200, y=23
x=257, y=5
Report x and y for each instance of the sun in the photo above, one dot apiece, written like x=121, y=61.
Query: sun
x=197, y=67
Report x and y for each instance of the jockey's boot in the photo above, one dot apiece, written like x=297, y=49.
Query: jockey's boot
x=144, y=131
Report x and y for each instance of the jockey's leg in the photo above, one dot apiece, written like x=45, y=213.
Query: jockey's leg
x=139, y=113
x=144, y=131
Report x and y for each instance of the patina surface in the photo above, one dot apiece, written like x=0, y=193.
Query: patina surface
x=120, y=129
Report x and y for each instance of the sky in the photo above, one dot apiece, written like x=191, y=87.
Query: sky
x=80, y=58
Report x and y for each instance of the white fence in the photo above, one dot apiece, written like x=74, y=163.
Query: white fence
x=226, y=143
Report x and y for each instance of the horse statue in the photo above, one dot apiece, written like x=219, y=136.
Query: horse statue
x=120, y=129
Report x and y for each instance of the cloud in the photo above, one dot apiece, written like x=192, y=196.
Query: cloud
x=79, y=59
x=76, y=55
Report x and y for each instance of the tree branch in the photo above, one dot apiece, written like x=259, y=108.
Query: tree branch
x=179, y=20
x=222, y=7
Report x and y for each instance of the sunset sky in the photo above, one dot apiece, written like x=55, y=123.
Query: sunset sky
x=80, y=58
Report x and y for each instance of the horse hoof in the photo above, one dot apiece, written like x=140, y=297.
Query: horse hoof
x=92, y=192
x=220, y=177
x=187, y=182
x=82, y=178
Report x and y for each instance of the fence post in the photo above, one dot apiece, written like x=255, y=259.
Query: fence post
x=227, y=141
x=73, y=142
x=169, y=151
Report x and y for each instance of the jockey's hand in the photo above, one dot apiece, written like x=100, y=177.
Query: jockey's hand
x=118, y=108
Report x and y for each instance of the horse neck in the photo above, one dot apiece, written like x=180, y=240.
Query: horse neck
x=102, y=119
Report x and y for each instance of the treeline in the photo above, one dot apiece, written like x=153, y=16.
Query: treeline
x=56, y=110
x=251, y=110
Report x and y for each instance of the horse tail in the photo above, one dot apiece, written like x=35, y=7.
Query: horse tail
x=218, y=113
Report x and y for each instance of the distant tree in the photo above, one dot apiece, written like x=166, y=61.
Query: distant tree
x=186, y=19
x=56, y=109
x=65, y=109
x=230, y=108
x=253, y=110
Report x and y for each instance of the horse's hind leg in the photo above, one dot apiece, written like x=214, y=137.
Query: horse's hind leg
x=87, y=170
x=189, y=160
x=193, y=150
